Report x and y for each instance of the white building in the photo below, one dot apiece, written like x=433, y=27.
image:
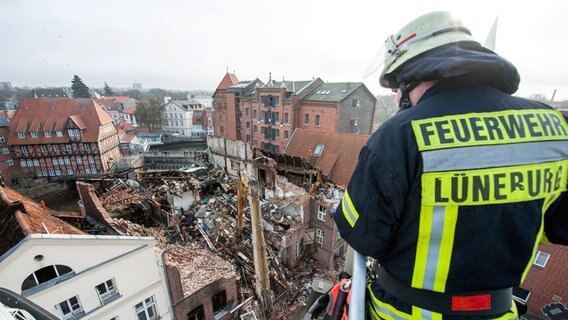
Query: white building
x=97, y=277
x=75, y=275
x=178, y=117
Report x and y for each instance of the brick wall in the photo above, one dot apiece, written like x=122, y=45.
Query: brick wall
x=327, y=113
x=552, y=280
x=183, y=305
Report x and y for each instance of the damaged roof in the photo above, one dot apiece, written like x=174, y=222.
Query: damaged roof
x=335, y=154
x=21, y=216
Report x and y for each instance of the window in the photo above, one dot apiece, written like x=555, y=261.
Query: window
x=66, y=160
x=21, y=135
x=196, y=314
x=30, y=163
x=34, y=134
x=74, y=132
x=255, y=129
x=248, y=137
x=91, y=159
x=87, y=147
x=2, y=139
x=5, y=150
x=47, y=134
x=355, y=103
x=36, y=163
x=320, y=234
x=285, y=134
x=70, y=172
x=23, y=163
x=321, y=213
x=44, y=274
x=24, y=149
x=286, y=118
x=318, y=150
x=59, y=133
x=146, y=310
x=43, y=148
x=306, y=119
x=254, y=114
x=56, y=149
x=9, y=162
x=79, y=160
x=541, y=258
x=298, y=248
x=521, y=294
x=354, y=122
x=248, y=124
x=317, y=120
x=107, y=291
x=246, y=111
x=54, y=161
x=68, y=309
x=219, y=301
x=88, y=171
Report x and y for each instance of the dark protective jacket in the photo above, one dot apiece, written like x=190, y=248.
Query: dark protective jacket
x=450, y=195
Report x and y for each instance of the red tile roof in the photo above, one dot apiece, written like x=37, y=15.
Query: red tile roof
x=20, y=216
x=339, y=156
x=55, y=113
x=228, y=80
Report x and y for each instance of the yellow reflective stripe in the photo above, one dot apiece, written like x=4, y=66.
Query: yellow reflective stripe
x=496, y=185
x=419, y=313
x=348, y=209
x=535, y=248
x=446, y=248
x=489, y=128
x=513, y=314
x=385, y=310
x=422, y=244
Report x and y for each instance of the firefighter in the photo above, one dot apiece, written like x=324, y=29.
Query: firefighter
x=453, y=194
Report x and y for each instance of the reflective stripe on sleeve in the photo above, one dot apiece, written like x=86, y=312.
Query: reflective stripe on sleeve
x=349, y=212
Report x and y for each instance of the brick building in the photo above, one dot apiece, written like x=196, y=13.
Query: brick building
x=265, y=115
x=6, y=156
x=225, y=118
x=546, y=281
x=62, y=137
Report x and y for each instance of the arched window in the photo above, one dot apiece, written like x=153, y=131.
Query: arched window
x=44, y=274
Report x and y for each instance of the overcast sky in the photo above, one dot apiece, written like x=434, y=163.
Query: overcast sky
x=190, y=44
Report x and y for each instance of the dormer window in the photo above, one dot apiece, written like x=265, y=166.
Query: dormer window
x=74, y=132
x=47, y=134
x=34, y=134
x=59, y=133
x=318, y=150
x=21, y=135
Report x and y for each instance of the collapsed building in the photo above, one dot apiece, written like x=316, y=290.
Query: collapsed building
x=194, y=215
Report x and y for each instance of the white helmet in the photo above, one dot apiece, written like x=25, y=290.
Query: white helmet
x=422, y=34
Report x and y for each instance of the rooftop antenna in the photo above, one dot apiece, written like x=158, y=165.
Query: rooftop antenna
x=269, y=76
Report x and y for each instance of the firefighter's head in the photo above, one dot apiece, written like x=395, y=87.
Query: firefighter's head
x=421, y=35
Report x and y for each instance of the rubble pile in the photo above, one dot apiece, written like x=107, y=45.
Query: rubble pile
x=211, y=222
x=197, y=266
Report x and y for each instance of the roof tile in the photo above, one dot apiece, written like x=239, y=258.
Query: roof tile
x=340, y=154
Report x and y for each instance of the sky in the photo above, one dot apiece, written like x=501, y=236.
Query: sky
x=191, y=44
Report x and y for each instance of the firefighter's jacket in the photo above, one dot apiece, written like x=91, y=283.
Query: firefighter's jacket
x=453, y=195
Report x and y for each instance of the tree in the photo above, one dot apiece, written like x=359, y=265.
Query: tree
x=107, y=91
x=149, y=113
x=80, y=90
x=386, y=107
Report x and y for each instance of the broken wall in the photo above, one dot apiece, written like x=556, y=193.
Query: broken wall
x=231, y=155
x=202, y=297
x=91, y=205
